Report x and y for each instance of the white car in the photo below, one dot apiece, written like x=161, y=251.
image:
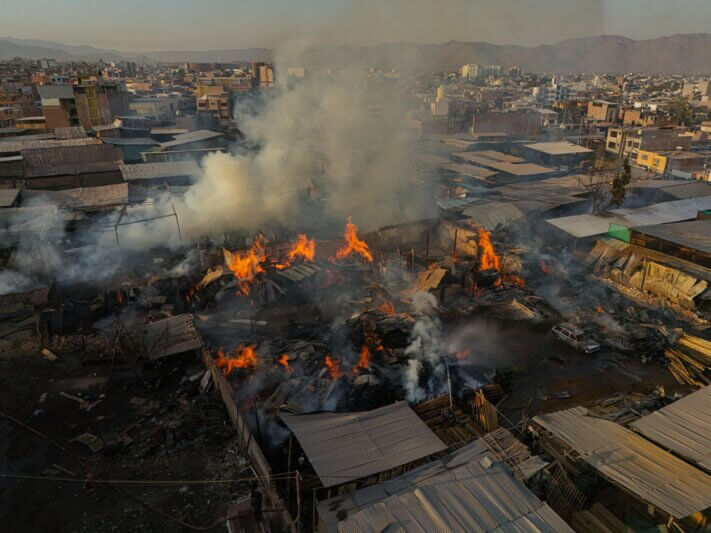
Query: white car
x=575, y=337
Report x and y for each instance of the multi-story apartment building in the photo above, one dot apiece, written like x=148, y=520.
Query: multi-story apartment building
x=627, y=142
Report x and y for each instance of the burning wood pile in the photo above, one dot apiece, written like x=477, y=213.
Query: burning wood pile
x=260, y=275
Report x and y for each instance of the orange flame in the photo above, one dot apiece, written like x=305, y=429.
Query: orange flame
x=515, y=280
x=387, y=307
x=599, y=309
x=545, y=268
x=353, y=244
x=304, y=247
x=244, y=357
x=364, y=361
x=284, y=361
x=489, y=258
x=246, y=265
x=334, y=367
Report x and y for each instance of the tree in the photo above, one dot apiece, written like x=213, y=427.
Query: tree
x=679, y=111
x=598, y=189
x=620, y=183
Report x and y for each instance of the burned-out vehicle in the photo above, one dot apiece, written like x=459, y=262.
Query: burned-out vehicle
x=575, y=337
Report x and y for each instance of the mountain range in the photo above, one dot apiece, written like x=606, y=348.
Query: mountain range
x=679, y=54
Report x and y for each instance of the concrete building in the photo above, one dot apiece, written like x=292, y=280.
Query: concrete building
x=161, y=107
x=99, y=104
x=551, y=94
x=696, y=90
x=602, y=110
x=58, y=106
x=626, y=142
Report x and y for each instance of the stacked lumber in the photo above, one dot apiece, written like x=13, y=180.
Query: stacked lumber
x=689, y=359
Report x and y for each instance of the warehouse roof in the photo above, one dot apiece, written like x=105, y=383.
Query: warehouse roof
x=191, y=137
x=468, y=170
x=468, y=490
x=694, y=234
x=684, y=427
x=558, y=148
x=509, y=164
x=7, y=147
x=71, y=160
x=83, y=198
x=632, y=462
x=167, y=169
x=589, y=225
x=342, y=447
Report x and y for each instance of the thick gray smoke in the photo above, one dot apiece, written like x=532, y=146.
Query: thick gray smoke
x=331, y=145
x=335, y=138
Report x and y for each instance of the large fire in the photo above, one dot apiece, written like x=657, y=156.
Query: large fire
x=242, y=357
x=334, y=367
x=489, y=258
x=304, y=248
x=246, y=265
x=353, y=244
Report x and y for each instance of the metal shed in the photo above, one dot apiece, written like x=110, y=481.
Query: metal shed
x=632, y=462
x=468, y=490
x=343, y=447
x=684, y=427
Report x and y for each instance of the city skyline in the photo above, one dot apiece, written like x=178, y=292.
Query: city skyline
x=188, y=25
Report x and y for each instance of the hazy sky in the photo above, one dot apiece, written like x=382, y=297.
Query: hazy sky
x=143, y=25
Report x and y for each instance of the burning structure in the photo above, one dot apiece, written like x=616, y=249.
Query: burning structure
x=379, y=334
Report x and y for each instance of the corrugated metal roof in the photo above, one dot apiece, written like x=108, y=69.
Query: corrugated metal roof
x=71, y=160
x=629, y=460
x=589, y=225
x=47, y=92
x=346, y=446
x=491, y=214
x=695, y=234
x=683, y=427
x=167, y=169
x=130, y=141
x=170, y=336
x=191, y=137
x=83, y=198
x=558, y=148
x=468, y=490
x=18, y=146
x=468, y=170
x=70, y=132
x=503, y=163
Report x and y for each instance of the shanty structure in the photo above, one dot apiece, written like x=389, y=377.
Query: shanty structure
x=690, y=240
x=66, y=167
x=629, y=461
x=510, y=167
x=170, y=336
x=684, y=427
x=83, y=198
x=163, y=173
x=591, y=225
x=343, y=447
x=468, y=490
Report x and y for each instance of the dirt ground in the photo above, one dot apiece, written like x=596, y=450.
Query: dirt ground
x=155, y=425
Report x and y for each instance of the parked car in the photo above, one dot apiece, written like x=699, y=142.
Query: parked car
x=575, y=337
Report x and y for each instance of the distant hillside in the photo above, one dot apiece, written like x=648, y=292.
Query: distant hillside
x=606, y=53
